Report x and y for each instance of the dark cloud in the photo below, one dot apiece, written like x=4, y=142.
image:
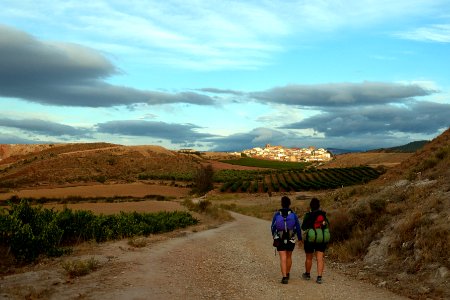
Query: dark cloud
x=418, y=117
x=68, y=74
x=341, y=94
x=44, y=127
x=257, y=137
x=176, y=133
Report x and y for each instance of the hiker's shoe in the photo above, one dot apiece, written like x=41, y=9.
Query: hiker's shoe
x=284, y=280
x=306, y=276
x=319, y=279
x=288, y=276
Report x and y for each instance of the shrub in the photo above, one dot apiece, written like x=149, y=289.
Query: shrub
x=80, y=267
x=137, y=242
x=341, y=225
x=203, y=180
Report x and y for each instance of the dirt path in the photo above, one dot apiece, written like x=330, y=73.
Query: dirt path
x=234, y=261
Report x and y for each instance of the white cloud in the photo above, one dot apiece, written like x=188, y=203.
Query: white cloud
x=433, y=33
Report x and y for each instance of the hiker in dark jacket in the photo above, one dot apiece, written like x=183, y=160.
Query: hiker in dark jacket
x=314, y=219
x=284, y=236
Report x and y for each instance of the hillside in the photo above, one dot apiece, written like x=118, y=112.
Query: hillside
x=373, y=159
x=395, y=230
x=408, y=148
x=82, y=163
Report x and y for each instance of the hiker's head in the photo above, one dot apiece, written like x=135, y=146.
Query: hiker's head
x=314, y=204
x=285, y=202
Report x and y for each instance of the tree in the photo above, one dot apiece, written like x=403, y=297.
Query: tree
x=203, y=180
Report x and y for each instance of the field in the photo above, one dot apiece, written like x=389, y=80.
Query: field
x=137, y=189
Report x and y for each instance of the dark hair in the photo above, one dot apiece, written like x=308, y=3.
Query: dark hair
x=314, y=204
x=285, y=202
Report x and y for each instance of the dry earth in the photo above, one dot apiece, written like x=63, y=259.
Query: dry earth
x=374, y=160
x=100, y=190
x=233, y=261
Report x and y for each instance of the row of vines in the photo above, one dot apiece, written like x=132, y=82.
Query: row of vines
x=295, y=180
x=29, y=231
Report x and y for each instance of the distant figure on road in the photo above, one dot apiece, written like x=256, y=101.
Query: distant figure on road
x=285, y=225
x=317, y=235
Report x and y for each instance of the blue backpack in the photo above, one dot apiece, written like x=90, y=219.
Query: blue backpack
x=284, y=225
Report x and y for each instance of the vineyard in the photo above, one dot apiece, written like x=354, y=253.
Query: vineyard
x=266, y=163
x=292, y=180
x=29, y=231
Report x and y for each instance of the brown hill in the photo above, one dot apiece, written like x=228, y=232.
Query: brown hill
x=373, y=159
x=81, y=163
x=396, y=229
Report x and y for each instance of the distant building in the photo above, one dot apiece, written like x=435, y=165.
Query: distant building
x=289, y=154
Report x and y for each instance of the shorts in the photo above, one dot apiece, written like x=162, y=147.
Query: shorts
x=289, y=246
x=312, y=247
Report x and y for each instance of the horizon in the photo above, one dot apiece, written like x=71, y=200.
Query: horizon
x=215, y=76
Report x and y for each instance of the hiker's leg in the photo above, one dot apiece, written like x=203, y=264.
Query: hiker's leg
x=288, y=261
x=308, y=262
x=320, y=263
x=283, y=258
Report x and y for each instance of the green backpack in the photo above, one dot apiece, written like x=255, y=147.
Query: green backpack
x=319, y=233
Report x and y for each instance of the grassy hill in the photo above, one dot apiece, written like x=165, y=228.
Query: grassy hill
x=396, y=229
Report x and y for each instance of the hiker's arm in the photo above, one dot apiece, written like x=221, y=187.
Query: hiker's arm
x=298, y=229
x=272, y=227
x=305, y=220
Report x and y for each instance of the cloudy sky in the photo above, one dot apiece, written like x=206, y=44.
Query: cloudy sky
x=225, y=75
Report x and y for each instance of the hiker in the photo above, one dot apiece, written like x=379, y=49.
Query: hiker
x=285, y=225
x=315, y=225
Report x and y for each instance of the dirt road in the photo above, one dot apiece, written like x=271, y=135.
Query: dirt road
x=233, y=261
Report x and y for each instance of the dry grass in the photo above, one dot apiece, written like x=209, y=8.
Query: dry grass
x=137, y=242
x=78, y=268
x=208, y=208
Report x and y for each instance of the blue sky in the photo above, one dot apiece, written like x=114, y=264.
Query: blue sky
x=225, y=75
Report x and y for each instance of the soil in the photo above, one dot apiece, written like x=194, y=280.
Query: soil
x=370, y=159
x=233, y=261
x=100, y=190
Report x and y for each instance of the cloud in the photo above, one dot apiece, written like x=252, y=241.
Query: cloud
x=211, y=35
x=221, y=91
x=434, y=33
x=70, y=75
x=176, y=133
x=341, y=94
x=418, y=117
x=257, y=137
x=43, y=127
x=13, y=139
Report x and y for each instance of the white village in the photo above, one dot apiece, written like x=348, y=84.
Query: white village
x=310, y=154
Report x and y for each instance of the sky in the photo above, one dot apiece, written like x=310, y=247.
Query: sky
x=225, y=75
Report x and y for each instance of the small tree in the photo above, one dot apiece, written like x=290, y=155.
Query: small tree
x=203, y=180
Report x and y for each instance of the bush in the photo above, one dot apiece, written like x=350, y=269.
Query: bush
x=80, y=267
x=341, y=225
x=203, y=180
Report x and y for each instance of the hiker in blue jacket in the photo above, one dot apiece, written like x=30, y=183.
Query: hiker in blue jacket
x=285, y=226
